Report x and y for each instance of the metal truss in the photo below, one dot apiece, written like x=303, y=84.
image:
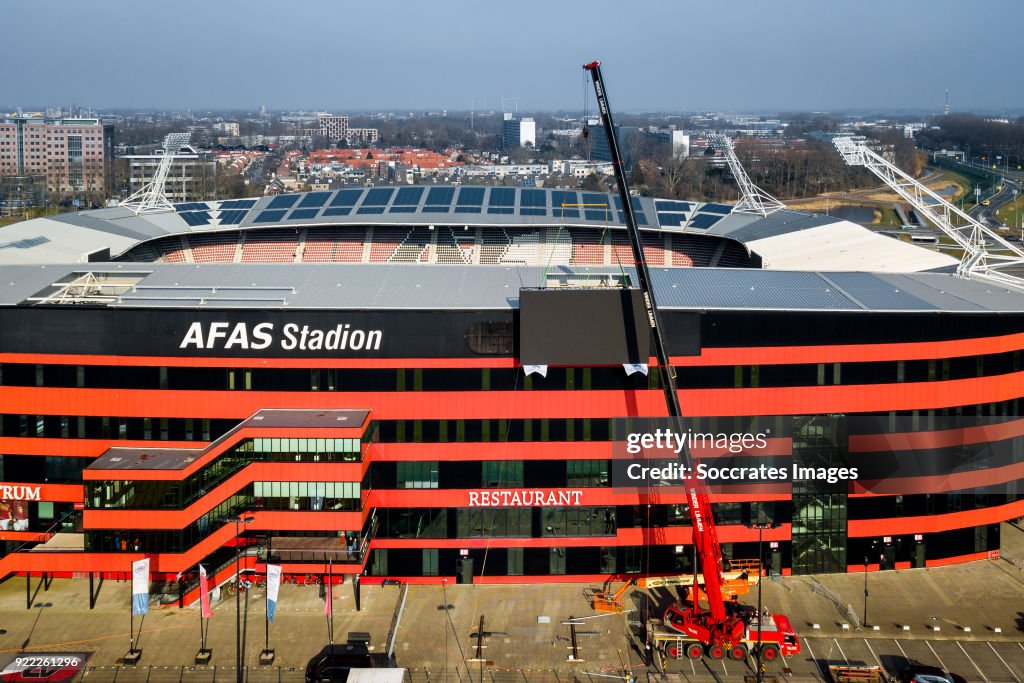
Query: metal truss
x=150, y=198
x=752, y=198
x=1004, y=268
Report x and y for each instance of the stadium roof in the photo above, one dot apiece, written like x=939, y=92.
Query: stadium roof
x=294, y=286
x=783, y=240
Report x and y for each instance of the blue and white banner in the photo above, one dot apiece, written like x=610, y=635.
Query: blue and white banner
x=140, y=586
x=273, y=584
x=633, y=368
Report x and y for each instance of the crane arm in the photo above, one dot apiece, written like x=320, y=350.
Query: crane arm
x=705, y=537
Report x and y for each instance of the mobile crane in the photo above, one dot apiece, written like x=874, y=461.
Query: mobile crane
x=715, y=632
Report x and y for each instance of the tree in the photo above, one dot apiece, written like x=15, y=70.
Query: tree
x=594, y=183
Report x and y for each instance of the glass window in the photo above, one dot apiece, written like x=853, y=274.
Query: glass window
x=430, y=562
x=502, y=473
x=586, y=473
x=417, y=475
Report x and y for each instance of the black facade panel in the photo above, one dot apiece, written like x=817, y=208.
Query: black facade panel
x=234, y=333
x=582, y=327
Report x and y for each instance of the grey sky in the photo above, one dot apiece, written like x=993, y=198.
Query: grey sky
x=432, y=54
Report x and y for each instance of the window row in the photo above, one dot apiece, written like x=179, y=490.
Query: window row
x=176, y=495
x=522, y=522
x=460, y=474
x=503, y=379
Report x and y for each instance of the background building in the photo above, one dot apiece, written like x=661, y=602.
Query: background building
x=336, y=128
x=518, y=132
x=73, y=154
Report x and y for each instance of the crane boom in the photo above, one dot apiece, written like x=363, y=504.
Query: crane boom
x=705, y=538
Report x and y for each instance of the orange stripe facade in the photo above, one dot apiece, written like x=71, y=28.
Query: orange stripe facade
x=381, y=507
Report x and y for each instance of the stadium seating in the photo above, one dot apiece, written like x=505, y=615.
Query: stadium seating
x=385, y=242
x=342, y=245
x=587, y=247
x=494, y=242
x=414, y=248
x=453, y=246
x=270, y=246
x=213, y=247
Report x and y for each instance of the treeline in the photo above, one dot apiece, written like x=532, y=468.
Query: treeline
x=791, y=173
x=981, y=136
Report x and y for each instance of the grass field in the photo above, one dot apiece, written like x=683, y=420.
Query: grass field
x=1012, y=213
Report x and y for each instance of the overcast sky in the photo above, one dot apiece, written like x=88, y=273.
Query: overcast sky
x=432, y=54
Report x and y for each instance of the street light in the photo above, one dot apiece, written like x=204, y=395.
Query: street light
x=760, y=526
x=865, y=591
x=238, y=521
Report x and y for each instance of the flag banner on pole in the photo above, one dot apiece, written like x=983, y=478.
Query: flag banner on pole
x=204, y=594
x=140, y=586
x=273, y=584
x=327, y=591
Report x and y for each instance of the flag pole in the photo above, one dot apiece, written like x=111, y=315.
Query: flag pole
x=330, y=600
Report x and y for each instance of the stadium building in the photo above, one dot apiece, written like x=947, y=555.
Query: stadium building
x=367, y=374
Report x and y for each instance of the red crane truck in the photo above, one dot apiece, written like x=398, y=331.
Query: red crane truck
x=714, y=632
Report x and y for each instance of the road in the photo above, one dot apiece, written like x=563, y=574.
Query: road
x=1012, y=184
x=987, y=214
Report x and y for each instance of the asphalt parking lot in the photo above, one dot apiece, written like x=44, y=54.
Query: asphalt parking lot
x=968, y=619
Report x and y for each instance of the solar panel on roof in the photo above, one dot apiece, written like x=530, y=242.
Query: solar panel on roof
x=440, y=196
x=560, y=197
x=666, y=205
x=406, y=209
x=238, y=204
x=378, y=196
x=533, y=212
x=370, y=209
x=303, y=214
x=471, y=196
x=191, y=206
x=501, y=210
x=194, y=218
x=270, y=216
x=409, y=196
x=703, y=221
x=314, y=199
x=338, y=211
x=233, y=217
x=502, y=196
x=345, y=198
x=716, y=208
x=671, y=220
x=466, y=209
x=283, y=201
x=638, y=213
x=533, y=198
x=437, y=209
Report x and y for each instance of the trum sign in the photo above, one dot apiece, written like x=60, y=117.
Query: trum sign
x=8, y=492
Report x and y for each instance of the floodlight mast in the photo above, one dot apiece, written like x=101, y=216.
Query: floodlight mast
x=752, y=198
x=151, y=198
x=977, y=261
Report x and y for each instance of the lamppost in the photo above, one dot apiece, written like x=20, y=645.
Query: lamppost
x=865, y=591
x=760, y=526
x=238, y=522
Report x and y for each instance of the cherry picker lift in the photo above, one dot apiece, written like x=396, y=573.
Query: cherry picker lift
x=690, y=630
